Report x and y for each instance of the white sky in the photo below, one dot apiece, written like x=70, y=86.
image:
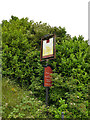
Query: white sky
x=71, y=14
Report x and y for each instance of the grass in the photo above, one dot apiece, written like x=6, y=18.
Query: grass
x=20, y=103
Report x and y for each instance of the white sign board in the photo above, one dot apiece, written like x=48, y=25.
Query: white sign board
x=48, y=47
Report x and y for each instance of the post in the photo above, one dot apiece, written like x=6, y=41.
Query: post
x=47, y=93
x=62, y=115
x=48, y=41
x=46, y=96
x=46, y=88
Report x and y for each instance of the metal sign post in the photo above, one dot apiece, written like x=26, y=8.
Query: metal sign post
x=62, y=115
x=46, y=89
x=47, y=79
x=46, y=96
x=48, y=51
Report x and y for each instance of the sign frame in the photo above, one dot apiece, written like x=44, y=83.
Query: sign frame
x=50, y=56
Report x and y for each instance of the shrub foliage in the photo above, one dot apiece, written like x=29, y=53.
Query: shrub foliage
x=21, y=42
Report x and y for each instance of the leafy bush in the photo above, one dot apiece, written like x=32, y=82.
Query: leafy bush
x=28, y=108
x=62, y=108
x=21, y=47
x=70, y=82
x=21, y=62
x=75, y=96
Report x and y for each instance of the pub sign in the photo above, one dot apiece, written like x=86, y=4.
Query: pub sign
x=48, y=48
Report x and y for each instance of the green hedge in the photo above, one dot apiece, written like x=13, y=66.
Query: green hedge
x=21, y=62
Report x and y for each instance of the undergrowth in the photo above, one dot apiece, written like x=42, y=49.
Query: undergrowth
x=20, y=103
